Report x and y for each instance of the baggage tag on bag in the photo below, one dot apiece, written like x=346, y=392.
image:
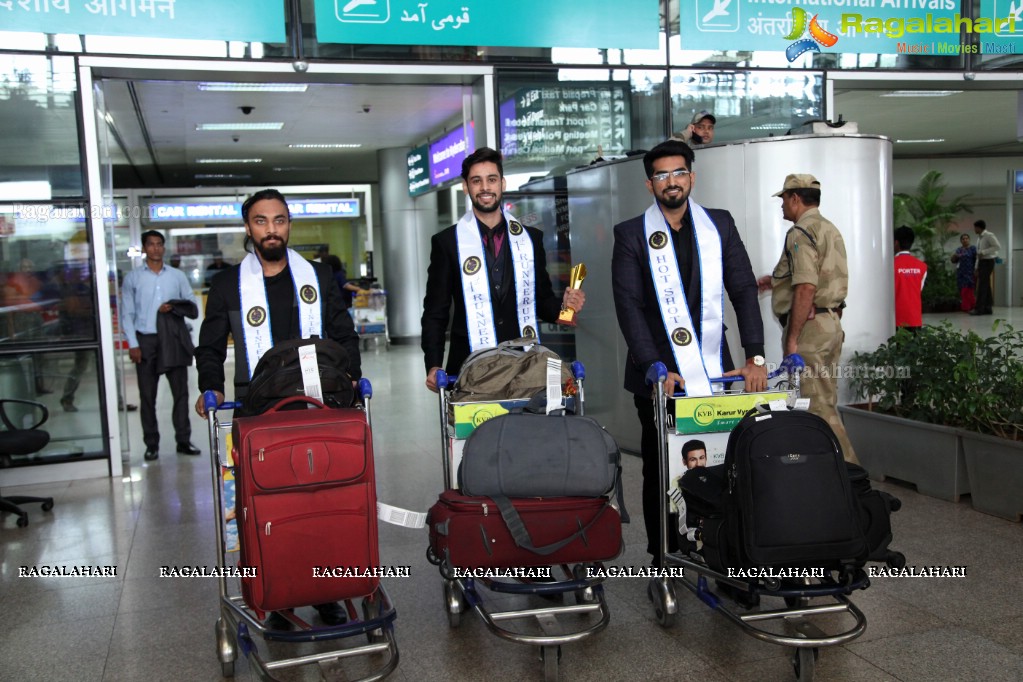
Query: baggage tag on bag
x=310, y=372
x=400, y=517
x=553, y=385
x=778, y=405
x=802, y=404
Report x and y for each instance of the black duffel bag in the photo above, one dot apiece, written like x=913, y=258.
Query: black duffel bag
x=278, y=376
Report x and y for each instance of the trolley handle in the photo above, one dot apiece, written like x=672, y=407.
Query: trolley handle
x=209, y=401
x=792, y=364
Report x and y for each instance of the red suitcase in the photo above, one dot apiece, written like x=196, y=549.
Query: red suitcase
x=306, y=501
x=469, y=532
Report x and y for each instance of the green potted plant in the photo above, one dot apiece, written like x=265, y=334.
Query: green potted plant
x=959, y=401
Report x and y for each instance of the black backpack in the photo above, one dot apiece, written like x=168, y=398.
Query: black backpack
x=278, y=376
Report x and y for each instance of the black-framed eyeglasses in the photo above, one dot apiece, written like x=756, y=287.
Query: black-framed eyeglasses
x=677, y=173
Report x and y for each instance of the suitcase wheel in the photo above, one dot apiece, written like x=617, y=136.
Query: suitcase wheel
x=895, y=559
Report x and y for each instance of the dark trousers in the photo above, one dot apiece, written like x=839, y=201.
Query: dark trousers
x=148, y=381
x=652, y=493
x=985, y=271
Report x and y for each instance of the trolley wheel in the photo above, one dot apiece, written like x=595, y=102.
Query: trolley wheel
x=804, y=661
x=225, y=648
x=551, y=657
x=584, y=595
x=454, y=603
x=22, y=520
x=662, y=593
x=227, y=669
x=48, y=504
x=895, y=559
x=371, y=610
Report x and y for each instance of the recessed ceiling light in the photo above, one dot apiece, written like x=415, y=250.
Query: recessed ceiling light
x=269, y=125
x=229, y=160
x=222, y=176
x=921, y=93
x=253, y=87
x=337, y=145
x=933, y=139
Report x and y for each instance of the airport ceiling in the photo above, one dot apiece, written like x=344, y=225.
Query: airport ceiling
x=157, y=143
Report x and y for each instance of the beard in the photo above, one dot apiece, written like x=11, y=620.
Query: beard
x=486, y=208
x=675, y=200
x=274, y=251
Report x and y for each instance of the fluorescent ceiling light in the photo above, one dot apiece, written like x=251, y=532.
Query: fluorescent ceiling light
x=229, y=160
x=221, y=176
x=931, y=140
x=337, y=145
x=253, y=87
x=921, y=93
x=771, y=126
x=269, y=125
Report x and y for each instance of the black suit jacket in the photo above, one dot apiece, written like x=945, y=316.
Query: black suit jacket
x=639, y=315
x=224, y=318
x=444, y=288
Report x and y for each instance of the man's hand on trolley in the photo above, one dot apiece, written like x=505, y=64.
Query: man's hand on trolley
x=431, y=379
x=755, y=378
x=674, y=382
x=200, y=404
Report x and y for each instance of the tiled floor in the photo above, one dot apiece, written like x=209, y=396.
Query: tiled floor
x=138, y=626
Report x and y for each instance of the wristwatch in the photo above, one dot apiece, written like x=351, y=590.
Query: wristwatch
x=758, y=360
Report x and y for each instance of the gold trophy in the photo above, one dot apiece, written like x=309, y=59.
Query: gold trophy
x=575, y=281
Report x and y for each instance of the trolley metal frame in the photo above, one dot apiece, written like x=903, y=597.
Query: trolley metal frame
x=239, y=628
x=463, y=593
x=805, y=637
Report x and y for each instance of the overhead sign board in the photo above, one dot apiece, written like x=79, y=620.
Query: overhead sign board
x=932, y=27
x=418, y=170
x=232, y=211
x=525, y=23
x=260, y=21
x=446, y=154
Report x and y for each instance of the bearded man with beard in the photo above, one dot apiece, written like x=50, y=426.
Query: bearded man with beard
x=273, y=295
x=670, y=269
x=492, y=269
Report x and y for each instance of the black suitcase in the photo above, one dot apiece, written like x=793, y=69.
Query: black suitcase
x=789, y=502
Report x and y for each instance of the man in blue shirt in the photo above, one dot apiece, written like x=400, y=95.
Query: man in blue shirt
x=147, y=292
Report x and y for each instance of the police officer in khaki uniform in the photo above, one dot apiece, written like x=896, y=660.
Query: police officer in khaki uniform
x=808, y=286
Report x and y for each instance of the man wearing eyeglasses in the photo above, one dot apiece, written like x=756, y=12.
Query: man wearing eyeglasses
x=670, y=271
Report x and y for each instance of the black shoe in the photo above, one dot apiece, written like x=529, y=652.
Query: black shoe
x=188, y=449
x=131, y=408
x=332, y=613
x=68, y=405
x=151, y=454
x=275, y=621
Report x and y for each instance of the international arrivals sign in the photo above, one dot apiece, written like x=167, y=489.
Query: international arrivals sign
x=798, y=27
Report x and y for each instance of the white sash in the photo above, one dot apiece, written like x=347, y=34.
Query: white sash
x=255, y=310
x=697, y=359
x=479, y=311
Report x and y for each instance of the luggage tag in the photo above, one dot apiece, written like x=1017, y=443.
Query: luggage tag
x=553, y=385
x=802, y=404
x=400, y=517
x=310, y=372
x=779, y=405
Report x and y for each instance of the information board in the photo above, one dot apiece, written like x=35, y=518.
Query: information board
x=258, y=21
x=631, y=24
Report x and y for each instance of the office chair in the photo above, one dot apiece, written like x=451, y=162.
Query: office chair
x=16, y=440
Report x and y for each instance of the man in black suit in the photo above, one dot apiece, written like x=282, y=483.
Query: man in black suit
x=670, y=301
x=501, y=265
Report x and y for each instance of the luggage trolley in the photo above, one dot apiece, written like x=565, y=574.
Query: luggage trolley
x=461, y=593
x=799, y=630
x=238, y=627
